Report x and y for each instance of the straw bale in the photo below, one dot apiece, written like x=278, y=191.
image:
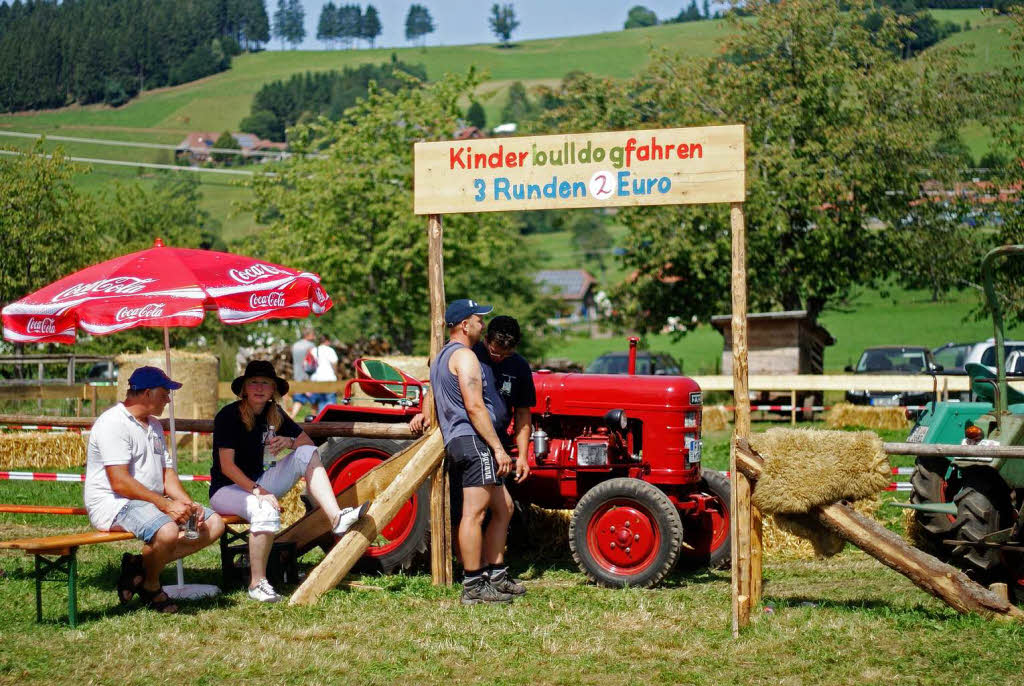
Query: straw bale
x=804, y=468
x=715, y=418
x=197, y=372
x=41, y=451
x=796, y=536
x=843, y=415
x=292, y=507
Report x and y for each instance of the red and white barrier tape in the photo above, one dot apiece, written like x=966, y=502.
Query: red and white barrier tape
x=40, y=427
x=50, y=476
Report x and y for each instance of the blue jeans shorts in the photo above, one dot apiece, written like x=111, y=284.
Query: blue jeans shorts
x=303, y=398
x=144, y=519
x=318, y=400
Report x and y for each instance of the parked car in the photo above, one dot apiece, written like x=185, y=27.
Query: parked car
x=101, y=371
x=659, y=364
x=893, y=360
x=953, y=356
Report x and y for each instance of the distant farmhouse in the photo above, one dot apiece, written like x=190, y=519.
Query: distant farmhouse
x=196, y=147
x=574, y=288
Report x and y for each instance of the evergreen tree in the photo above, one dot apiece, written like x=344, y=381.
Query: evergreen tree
x=418, y=23
x=369, y=27
x=281, y=22
x=326, y=29
x=350, y=19
x=296, y=22
x=518, y=108
x=475, y=116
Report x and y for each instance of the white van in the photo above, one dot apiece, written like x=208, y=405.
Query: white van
x=953, y=356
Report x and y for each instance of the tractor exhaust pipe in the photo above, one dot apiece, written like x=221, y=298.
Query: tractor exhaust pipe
x=633, y=340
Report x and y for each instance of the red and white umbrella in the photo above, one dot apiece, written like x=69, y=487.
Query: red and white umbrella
x=163, y=287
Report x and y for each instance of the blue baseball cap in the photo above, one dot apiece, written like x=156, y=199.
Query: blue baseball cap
x=463, y=309
x=151, y=377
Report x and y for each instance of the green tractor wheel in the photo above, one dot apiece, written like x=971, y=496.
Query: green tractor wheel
x=930, y=484
x=983, y=507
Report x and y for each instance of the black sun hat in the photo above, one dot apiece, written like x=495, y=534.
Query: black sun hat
x=259, y=368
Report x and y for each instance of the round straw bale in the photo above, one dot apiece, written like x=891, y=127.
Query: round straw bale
x=197, y=372
x=715, y=418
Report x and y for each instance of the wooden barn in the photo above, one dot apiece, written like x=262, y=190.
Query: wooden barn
x=779, y=343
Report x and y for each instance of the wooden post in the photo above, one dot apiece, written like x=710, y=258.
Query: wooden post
x=195, y=436
x=440, y=509
x=792, y=407
x=428, y=455
x=742, y=519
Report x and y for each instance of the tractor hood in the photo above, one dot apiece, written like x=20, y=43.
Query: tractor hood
x=576, y=393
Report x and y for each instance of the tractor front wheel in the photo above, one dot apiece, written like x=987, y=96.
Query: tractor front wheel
x=407, y=534
x=625, y=532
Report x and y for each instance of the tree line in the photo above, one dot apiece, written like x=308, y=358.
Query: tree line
x=281, y=104
x=89, y=51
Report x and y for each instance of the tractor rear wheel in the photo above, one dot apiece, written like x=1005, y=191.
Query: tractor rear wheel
x=407, y=535
x=707, y=541
x=983, y=507
x=929, y=485
x=625, y=532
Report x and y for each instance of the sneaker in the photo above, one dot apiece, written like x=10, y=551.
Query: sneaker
x=264, y=592
x=349, y=516
x=483, y=592
x=503, y=582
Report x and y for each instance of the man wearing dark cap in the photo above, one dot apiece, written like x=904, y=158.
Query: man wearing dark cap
x=131, y=484
x=470, y=415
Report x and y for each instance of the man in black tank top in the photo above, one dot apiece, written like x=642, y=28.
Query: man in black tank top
x=477, y=460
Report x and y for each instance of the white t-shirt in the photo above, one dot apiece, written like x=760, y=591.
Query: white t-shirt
x=326, y=358
x=118, y=438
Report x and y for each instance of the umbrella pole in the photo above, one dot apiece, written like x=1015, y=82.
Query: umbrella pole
x=181, y=590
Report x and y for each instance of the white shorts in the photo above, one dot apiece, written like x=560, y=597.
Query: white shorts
x=279, y=479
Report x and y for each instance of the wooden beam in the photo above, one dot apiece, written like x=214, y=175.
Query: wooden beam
x=928, y=573
x=307, y=532
x=440, y=509
x=350, y=548
x=740, y=520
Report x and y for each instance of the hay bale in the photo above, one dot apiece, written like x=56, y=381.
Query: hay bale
x=804, y=468
x=790, y=536
x=292, y=507
x=715, y=418
x=197, y=372
x=843, y=415
x=41, y=451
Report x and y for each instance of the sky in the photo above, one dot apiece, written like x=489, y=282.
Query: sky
x=459, y=22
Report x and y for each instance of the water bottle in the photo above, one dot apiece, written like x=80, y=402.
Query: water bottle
x=269, y=460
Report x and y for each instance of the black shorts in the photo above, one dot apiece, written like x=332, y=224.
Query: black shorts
x=472, y=463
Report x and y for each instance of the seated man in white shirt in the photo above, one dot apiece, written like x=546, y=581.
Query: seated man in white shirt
x=131, y=484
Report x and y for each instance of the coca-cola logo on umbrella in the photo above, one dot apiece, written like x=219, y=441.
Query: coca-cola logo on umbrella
x=47, y=325
x=320, y=295
x=120, y=285
x=150, y=311
x=256, y=272
x=272, y=299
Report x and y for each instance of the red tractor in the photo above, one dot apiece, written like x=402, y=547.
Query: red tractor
x=623, y=451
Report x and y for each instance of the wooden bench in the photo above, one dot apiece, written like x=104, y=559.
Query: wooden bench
x=57, y=555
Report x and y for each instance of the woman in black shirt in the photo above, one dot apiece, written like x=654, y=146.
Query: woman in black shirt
x=241, y=485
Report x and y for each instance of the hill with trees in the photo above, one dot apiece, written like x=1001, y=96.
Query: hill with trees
x=91, y=51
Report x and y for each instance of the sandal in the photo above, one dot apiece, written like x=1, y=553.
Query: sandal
x=157, y=600
x=132, y=576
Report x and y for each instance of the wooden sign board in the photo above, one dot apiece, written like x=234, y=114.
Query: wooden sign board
x=613, y=169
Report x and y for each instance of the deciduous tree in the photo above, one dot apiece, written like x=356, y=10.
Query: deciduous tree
x=346, y=214
x=840, y=138
x=503, y=22
x=640, y=16
x=418, y=23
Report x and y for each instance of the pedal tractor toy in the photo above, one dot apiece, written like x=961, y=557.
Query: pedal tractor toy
x=969, y=508
x=624, y=452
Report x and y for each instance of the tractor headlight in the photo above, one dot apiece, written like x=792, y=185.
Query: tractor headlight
x=616, y=420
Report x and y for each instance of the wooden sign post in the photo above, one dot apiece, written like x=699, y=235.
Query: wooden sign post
x=683, y=166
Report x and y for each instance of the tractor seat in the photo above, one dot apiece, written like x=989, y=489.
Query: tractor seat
x=382, y=371
x=984, y=391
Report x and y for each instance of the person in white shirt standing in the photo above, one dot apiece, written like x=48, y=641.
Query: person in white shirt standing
x=326, y=359
x=131, y=484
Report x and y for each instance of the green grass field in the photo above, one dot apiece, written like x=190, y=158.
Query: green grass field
x=847, y=620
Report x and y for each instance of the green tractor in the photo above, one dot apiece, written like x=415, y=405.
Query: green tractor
x=970, y=508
